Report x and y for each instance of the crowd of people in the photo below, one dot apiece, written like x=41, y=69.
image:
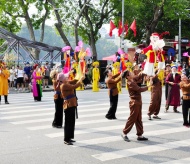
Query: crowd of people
x=173, y=77
x=65, y=85
x=21, y=75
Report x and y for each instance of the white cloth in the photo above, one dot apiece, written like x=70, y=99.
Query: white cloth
x=161, y=65
x=12, y=75
x=20, y=73
x=149, y=69
x=173, y=74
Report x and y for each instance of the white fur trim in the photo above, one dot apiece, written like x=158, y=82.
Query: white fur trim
x=149, y=69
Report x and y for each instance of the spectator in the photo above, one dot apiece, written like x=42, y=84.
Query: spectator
x=16, y=75
x=20, y=78
x=12, y=76
x=27, y=75
x=46, y=75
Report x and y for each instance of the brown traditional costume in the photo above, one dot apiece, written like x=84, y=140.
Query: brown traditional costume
x=113, y=95
x=69, y=106
x=58, y=99
x=140, y=80
x=135, y=105
x=156, y=96
x=185, y=87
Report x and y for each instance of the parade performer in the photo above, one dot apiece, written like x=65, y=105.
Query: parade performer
x=69, y=105
x=173, y=95
x=4, y=87
x=82, y=63
x=95, y=77
x=115, y=71
x=154, y=51
x=135, y=105
x=36, y=83
x=156, y=96
x=136, y=71
x=67, y=59
x=128, y=66
x=161, y=76
x=58, y=99
x=111, y=83
x=185, y=87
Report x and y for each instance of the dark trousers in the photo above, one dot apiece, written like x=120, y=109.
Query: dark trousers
x=186, y=112
x=113, y=106
x=58, y=117
x=5, y=97
x=38, y=98
x=69, y=126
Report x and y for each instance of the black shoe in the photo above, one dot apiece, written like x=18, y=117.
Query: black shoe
x=149, y=117
x=142, y=138
x=109, y=118
x=72, y=140
x=7, y=102
x=47, y=86
x=176, y=111
x=68, y=143
x=125, y=138
x=166, y=108
x=114, y=118
x=156, y=117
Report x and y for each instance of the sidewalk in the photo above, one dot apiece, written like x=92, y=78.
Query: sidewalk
x=13, y=91
x=50, y=89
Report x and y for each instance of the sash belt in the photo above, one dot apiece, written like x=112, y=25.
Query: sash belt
x=69, y=97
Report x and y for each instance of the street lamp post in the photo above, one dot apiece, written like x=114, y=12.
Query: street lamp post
x=179, y=41
x=122, y=37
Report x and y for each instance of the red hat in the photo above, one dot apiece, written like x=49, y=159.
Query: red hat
x=35, y=66
x=155, y=34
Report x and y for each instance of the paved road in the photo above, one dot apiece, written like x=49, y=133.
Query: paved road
x=26, y=135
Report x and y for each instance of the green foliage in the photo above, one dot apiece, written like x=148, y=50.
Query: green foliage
x=144, y=13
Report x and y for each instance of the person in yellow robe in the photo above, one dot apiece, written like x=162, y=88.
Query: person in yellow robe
x=115, y=71
x=95, y=77
x=4, y=87
x=128, y=66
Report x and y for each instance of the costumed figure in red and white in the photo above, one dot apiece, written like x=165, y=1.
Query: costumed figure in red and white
x=154, y=52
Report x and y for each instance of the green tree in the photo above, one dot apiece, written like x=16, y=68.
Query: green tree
x=154, y=16
x=15, y=10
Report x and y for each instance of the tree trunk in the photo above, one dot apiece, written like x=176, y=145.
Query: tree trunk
x=77, y=21
x=158, y=14
x=34, y=52
x=92, y=44
x=59, y=24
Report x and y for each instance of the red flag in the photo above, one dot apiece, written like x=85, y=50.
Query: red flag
x=133, y=27
x=120, y=28
x=126, y=28
x=112, y=26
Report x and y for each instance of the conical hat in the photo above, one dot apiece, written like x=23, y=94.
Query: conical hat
x=95, y=63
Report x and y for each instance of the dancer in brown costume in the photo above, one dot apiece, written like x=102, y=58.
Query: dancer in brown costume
x=135, y=105
x=156, y=96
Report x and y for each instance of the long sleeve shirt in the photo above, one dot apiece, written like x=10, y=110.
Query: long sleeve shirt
x=68, y=93
x=112, y=84
x=185, y=87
